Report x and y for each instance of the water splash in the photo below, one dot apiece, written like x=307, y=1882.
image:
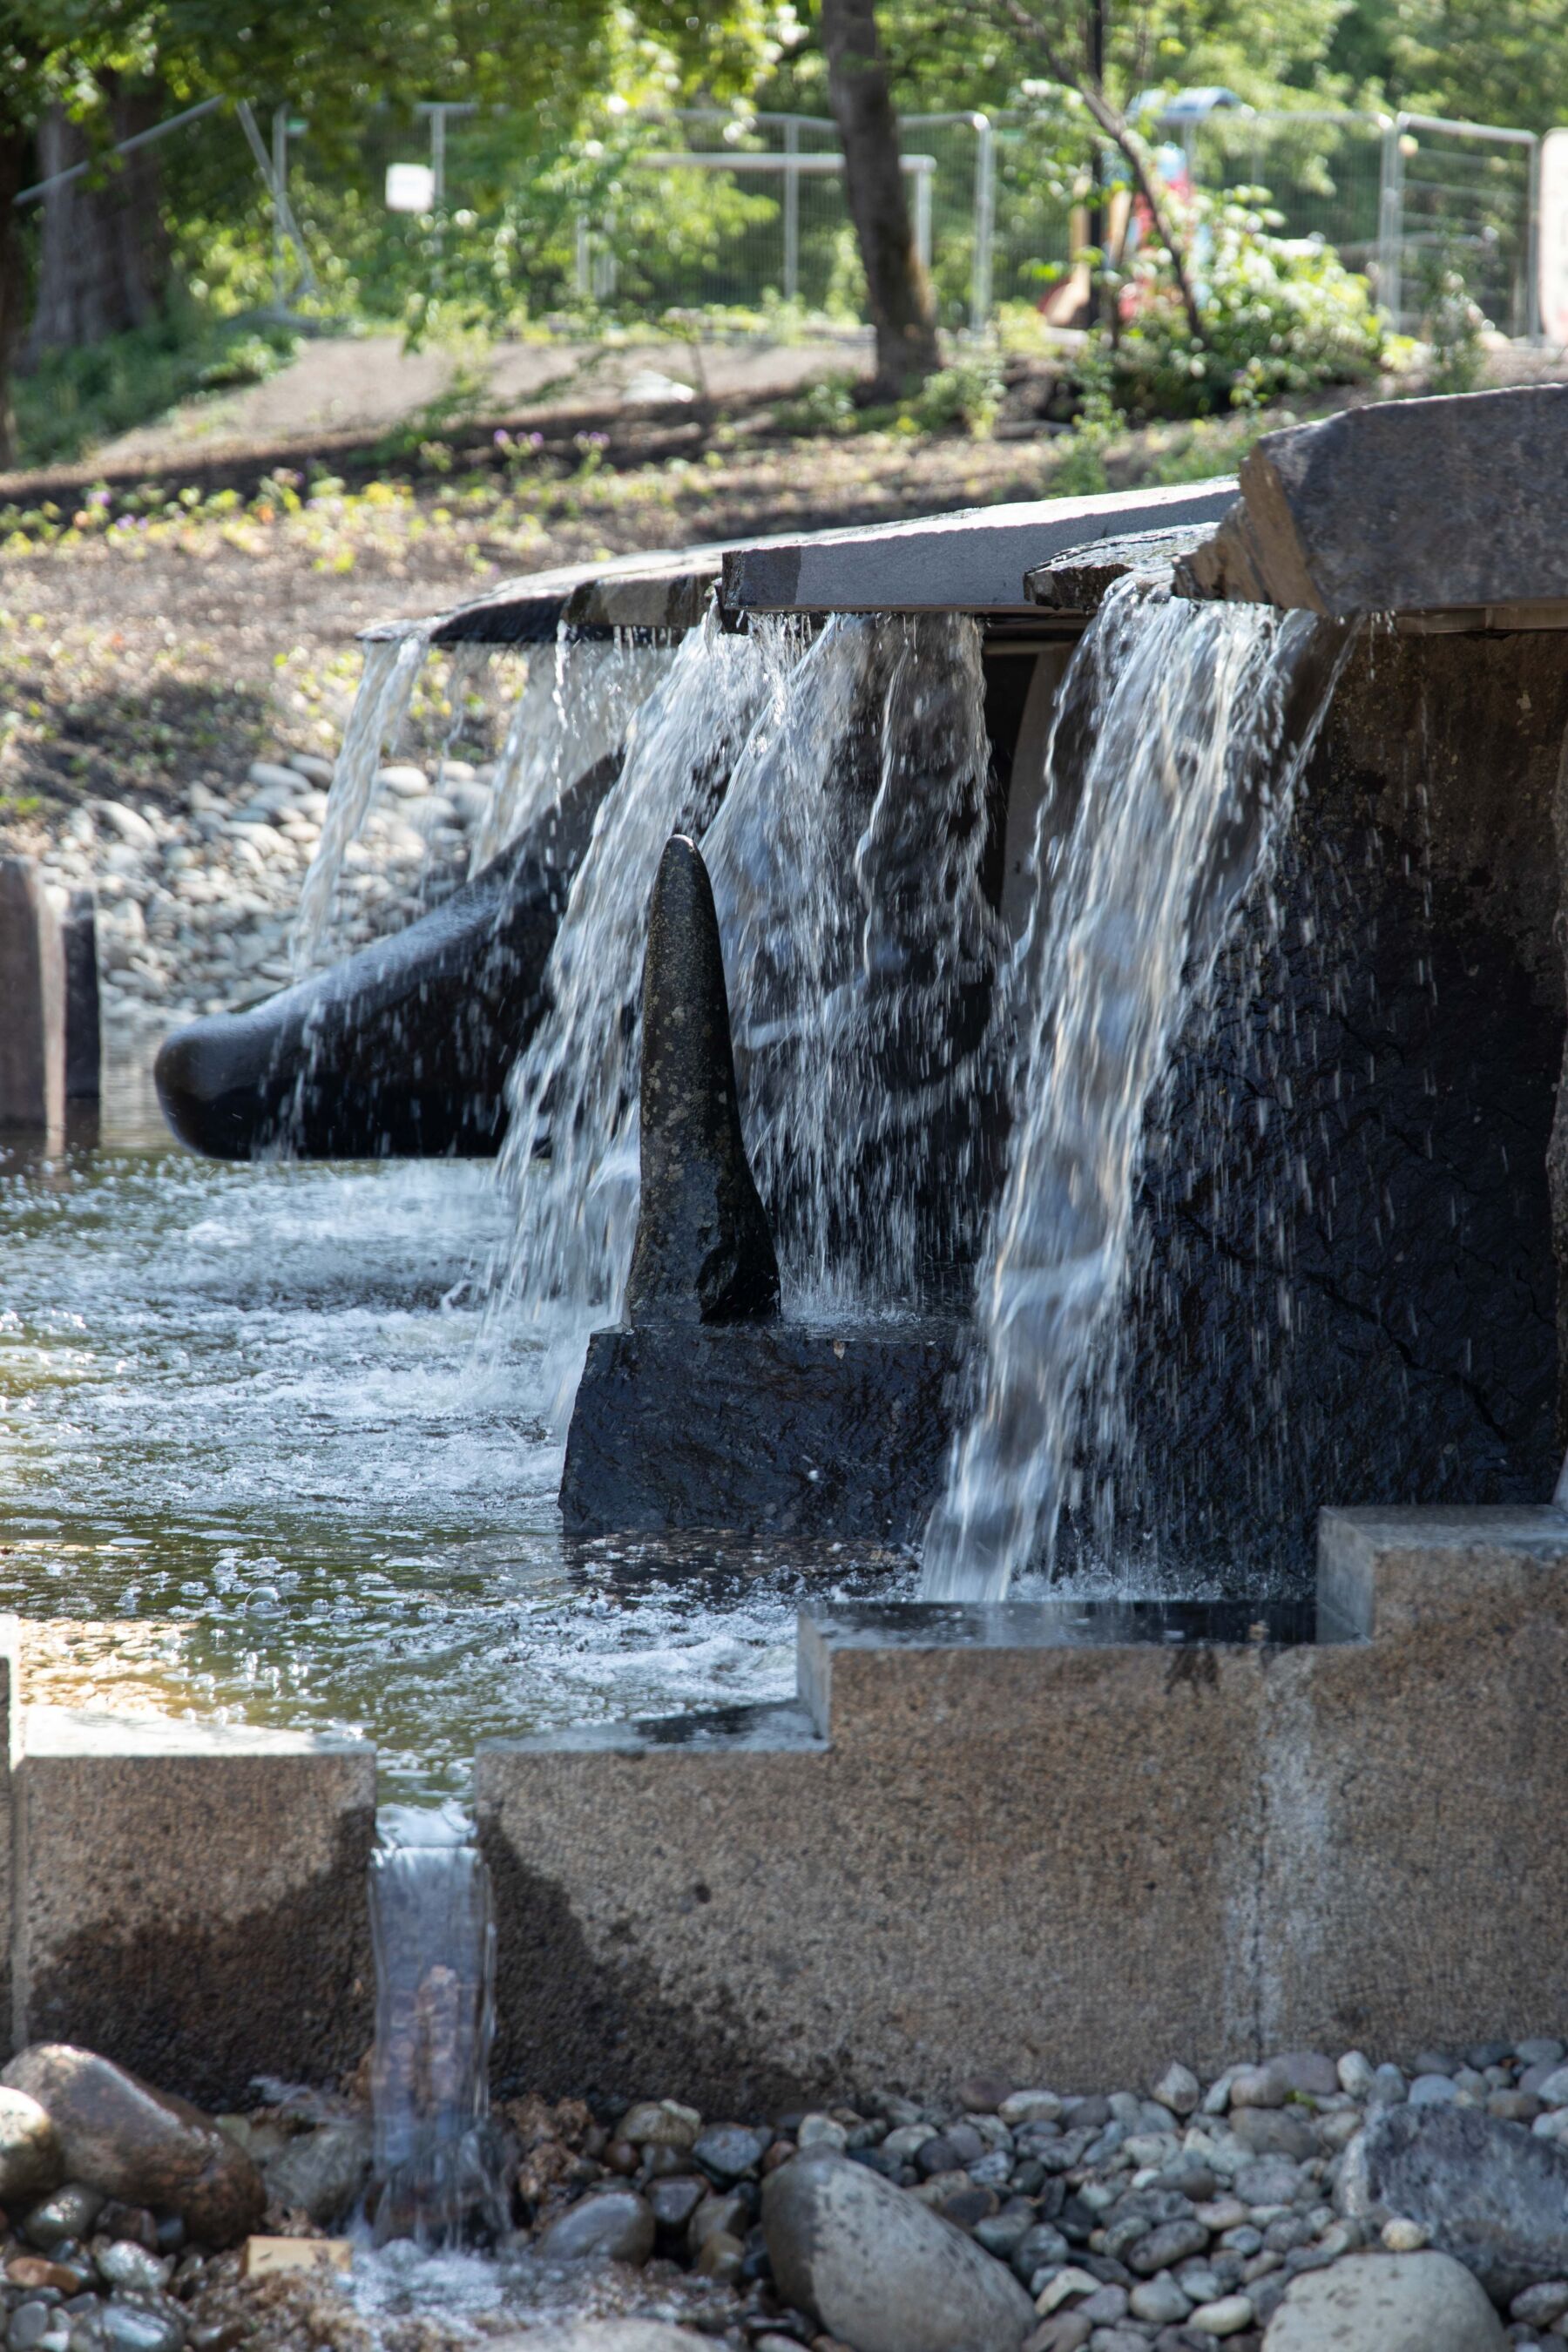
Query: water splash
x=392, y=668
x=576, y=706
x=436, y=2173
x=845, y=863
x=569, y=1156
x=1173, y=769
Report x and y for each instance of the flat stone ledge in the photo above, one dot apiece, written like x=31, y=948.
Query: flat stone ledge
x=971, y=561
x=1401, y=506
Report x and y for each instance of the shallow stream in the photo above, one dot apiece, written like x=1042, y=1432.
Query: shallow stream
x=254, y=1467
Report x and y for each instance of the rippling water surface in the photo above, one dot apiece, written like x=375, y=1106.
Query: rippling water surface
x=253, y=1468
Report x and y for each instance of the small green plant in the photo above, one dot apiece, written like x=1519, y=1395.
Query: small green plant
x=74, y=399
x=1452, y=326
x=1279, y=316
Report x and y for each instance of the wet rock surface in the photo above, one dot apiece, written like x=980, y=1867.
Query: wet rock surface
x=703, y=1252
x=30, y=2160
x=773, y=1428
x=116, y=2134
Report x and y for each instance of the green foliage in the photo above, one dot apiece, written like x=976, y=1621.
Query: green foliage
x=1452, y=325
x=1279, y=317
x=77, y=398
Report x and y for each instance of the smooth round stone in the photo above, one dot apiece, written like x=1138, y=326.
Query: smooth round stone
x=407, y=783
x=1105, y=2306
x=30, y=2322
x=1179, y=2089
x=674, y=2201
x=1159, y=2301
x=729, y=2213
x=1228, y=2317
x=71, y=2213
x=1542, y=2050
x=880, y=2271
x=1306, y=2072
x=1430, y=2090
x=827, y=2131
x=1257, y=2086
x=1170, y=2243
x=1039, y=2247
x=1402, y=2237
x=1272, y=2180
x=1434, y=2062
x=1356, y=2074
x=661, y=2123
x=30, y=2160
x=1029, y=2107
x=616, y=2226
x=132, y=2327
x=1400, y=2303
x=1539, y=2305
x=1387, y=2087
x=1552, y=2089
x=730, y=2151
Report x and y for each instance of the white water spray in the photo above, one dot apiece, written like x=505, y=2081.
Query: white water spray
x=1177, y=713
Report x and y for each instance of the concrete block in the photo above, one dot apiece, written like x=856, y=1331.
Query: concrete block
x=1005, y=1840
x=1414, y=1876
x=190, y=1898
x=33, y=992
x=769, y=1428
x=84, y=1043
x=971, y=561
x=1008, y=1853
x=1403, y=506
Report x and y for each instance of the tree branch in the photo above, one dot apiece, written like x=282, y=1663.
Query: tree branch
x=1122, y=136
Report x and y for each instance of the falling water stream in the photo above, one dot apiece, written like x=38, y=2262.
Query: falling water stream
x=1171, y=772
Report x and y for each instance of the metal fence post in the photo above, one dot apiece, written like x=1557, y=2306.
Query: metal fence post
x=923, y=178
x=791, y=213
x=984, y=222
x=1390, y=222
x=1532, y=248
x=281, y=182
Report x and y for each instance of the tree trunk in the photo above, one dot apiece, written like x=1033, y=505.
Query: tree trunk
x=902, y=312
x=103, y=261
x=15, y=154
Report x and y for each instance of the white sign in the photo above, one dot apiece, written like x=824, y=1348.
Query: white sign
x=410, y=188
x=1554, y=246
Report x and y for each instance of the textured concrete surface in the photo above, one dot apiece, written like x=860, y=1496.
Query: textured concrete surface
x=190, y=1898
x=1007, y=1840
x=973, y=562
x=1403, y=506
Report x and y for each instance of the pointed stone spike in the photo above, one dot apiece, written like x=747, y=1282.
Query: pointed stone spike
x=703, y=1251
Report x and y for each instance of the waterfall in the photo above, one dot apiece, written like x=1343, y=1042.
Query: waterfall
x=570, y=1156
x=392, y=668
x=576, y=706
x=860, y=949
x=435, y=2170
x=1171, y=772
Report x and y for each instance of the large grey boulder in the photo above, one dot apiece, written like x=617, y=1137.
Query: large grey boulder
x=879, y=2270
x=1487, y=2193
x=1404, y=506
x=117, y=2133
x=1386, y=2303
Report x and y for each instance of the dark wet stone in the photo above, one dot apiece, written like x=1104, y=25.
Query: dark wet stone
x=71, y=2213
x=618, y=2226
x=982, y=2094
x=1275, y=2131
x=322, y=2173
x=703, y=1252
x=1036, y=2247
x=730, y=2151
x=965, y=2207
x=936, y=2154
x=762, y=1429
x=118, y=2135
x=1490, y=2193
x=674, y=2201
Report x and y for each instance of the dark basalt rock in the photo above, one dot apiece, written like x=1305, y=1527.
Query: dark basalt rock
x=762, y=1429
x=402, y=1050
x=703, y=1252
x=1487, y=2193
